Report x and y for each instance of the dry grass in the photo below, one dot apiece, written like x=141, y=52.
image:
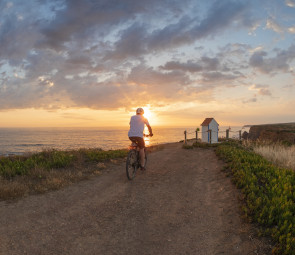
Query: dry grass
x=40, y=181
x=279, y=154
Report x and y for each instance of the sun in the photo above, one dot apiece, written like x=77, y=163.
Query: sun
x=147, y=113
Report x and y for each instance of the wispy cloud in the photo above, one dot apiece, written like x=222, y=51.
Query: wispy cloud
x=262, y=90
x=290, y=3
x=271, y=24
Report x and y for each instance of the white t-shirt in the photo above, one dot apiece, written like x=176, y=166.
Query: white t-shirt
x=137, y=123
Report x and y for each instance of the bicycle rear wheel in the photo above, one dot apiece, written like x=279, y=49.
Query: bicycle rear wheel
x=131, y=164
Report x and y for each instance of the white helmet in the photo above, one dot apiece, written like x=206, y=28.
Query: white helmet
x=139, y=111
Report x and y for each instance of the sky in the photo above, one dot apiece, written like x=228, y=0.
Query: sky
x=91, y=63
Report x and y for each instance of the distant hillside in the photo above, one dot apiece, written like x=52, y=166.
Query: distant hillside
x=284, y=132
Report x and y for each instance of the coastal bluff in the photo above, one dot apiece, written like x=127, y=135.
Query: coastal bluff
x=284, y=132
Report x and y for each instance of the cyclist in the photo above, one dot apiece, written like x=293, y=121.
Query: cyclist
x=135, y=133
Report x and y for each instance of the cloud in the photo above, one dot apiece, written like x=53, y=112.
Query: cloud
x=100, y=19
x=272, y=25
x=218, y=77
x=67, y=24
x=109, y=54
x=204, y=64
x=280, y=62
x=290, y=3
x=153, y=84
x=220, y=15
x=209, y=70
x=20, y=27
x=251, y=100
x=183, y=31
x=257, y=60
x=15, y=40
x=131, y=44
x=186, y=67
x=262, y=90
x=9, y=5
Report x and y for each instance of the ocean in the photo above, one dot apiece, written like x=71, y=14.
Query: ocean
x=18, y=141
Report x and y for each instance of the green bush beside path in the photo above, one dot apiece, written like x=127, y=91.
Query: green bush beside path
x=269, y=194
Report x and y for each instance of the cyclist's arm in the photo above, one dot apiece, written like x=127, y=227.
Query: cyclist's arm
x=150, y=130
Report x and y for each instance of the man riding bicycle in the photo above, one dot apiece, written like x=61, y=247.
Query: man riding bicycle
x=135, y=133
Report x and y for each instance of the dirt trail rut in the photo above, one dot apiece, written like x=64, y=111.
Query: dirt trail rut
x=182, y=204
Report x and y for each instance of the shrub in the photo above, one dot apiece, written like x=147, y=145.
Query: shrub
x=269, y=194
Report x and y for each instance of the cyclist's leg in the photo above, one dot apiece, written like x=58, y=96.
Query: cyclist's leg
x=133, y=139
x=141, y=146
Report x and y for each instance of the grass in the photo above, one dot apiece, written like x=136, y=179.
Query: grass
x=199, y=145
x=278, y=153
x=269, y=193
x=187, y=146
x=50, y=170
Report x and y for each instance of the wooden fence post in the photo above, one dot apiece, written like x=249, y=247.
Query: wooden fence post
x=210, y=135
x=227, y=134
x=185, y=136
x=240, y=134
x=197, y=135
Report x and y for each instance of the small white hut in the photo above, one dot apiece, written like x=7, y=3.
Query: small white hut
x=210, y=124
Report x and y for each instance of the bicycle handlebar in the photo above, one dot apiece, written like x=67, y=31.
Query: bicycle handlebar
x=150, y=135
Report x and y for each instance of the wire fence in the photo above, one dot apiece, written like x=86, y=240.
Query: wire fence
x=212, y=135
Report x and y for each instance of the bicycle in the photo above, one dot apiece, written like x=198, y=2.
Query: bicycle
x=133, y=160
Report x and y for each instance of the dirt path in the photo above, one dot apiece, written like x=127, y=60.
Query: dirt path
x=183, y=204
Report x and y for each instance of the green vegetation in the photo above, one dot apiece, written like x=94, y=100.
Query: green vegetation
x=99, y=155
x=199, y=145
x=49, y=170
x=53, y=159
x=269, y=193
x=21, y=165
x=204, y=145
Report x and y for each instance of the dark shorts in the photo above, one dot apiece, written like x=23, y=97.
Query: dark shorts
x=138, y=140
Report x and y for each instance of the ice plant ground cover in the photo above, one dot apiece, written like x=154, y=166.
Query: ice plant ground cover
x=269, y=193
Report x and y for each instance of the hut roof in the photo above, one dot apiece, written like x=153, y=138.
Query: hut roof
x=206, y=122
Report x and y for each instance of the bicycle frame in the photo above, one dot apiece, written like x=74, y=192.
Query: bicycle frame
x=133, y=160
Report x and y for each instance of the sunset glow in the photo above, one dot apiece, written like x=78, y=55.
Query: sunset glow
x=148, y=113
x=66, y=63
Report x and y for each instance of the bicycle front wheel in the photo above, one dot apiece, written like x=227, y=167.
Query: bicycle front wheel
x=131, y=164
